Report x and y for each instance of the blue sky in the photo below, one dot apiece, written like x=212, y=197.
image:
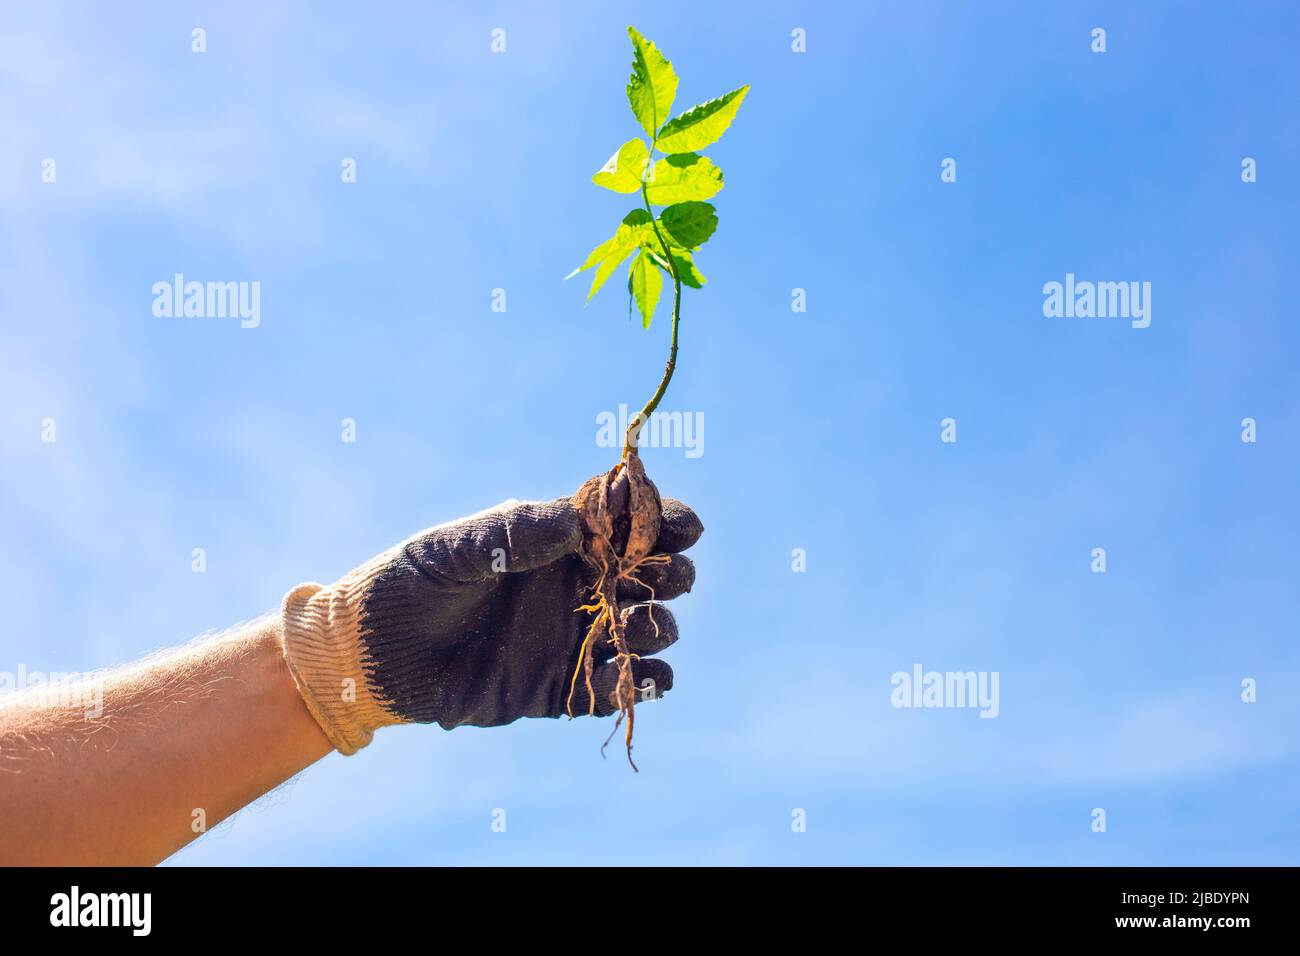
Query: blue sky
x=1119, y=691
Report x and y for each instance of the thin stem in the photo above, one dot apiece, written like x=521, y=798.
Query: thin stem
x=634, y=427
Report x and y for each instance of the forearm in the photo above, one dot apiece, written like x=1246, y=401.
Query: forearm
x=183, y=741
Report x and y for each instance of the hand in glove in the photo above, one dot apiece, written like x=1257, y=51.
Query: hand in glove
x=475, y=622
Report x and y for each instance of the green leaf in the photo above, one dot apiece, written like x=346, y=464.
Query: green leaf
x=689, y=224
x=681, y=257
x=595, y=256
x=652, y=87
x=687, y=270
x=607, y=267
x=647, y=283
x=681, y=178
x=623, y=171
x=609, y=255
x=637, y=218
x=701, y=125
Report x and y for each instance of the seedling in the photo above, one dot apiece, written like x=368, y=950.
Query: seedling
x=620, y=509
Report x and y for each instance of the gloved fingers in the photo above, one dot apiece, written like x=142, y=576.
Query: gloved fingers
x=659, y=580
x=647, y=628
x=513, y=536
x=653, y=678
x=681, y=527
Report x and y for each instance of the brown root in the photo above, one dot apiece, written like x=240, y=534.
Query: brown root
x=621, y=514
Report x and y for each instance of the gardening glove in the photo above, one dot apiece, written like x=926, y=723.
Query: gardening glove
x=475, y=622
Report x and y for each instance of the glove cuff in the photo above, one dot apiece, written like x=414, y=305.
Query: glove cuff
x=325, y=655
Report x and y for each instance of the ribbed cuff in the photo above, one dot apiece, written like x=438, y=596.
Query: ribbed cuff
x=323, y=649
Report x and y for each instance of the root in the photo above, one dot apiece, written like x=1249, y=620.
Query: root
x=631, y=576
x=615, y=564
x=604, y=610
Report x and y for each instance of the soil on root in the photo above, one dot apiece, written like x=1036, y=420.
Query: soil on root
x=621, y=513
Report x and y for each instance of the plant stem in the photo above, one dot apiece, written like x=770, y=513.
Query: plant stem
x=634, y=427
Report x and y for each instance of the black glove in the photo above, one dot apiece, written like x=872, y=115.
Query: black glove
x=476, y=622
